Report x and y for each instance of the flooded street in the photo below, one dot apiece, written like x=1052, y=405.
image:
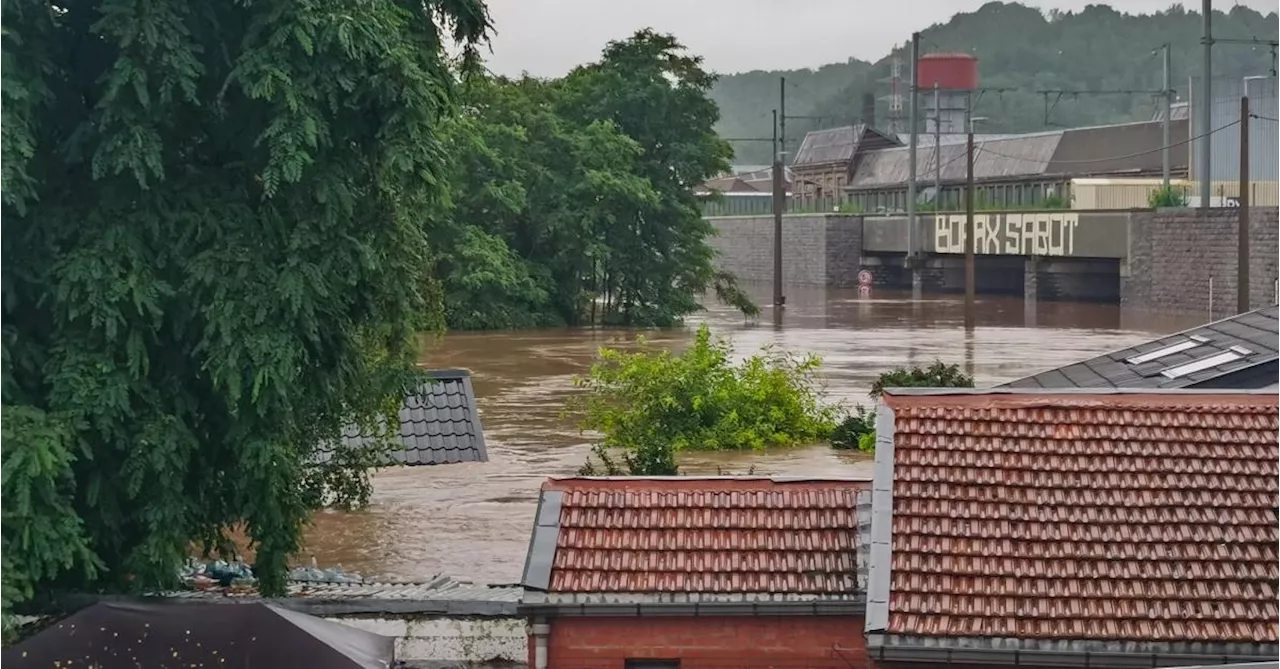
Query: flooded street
x=472, y=520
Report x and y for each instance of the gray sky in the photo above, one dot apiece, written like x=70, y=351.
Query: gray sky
x=546, y=38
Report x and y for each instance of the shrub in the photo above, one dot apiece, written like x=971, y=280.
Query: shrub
x=1167, y=197
x=858, y=430
x=849, y=432
x=936, y=375
x=649, y=405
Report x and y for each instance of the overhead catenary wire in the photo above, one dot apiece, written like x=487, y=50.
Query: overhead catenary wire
x=1139, y=154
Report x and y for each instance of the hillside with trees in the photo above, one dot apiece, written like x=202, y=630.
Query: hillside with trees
x=1023, y=49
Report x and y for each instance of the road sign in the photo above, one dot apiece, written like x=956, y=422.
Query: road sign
x=864, y=277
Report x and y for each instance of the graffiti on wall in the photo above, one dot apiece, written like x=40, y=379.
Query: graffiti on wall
x=1032, y=233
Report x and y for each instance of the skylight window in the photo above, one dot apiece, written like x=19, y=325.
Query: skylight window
x=1234, y=353
x=1192, y=342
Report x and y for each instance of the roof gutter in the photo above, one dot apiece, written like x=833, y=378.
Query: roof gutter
x=691, y=609
x=1057, y=658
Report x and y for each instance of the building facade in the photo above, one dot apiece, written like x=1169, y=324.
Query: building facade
x=686, y=572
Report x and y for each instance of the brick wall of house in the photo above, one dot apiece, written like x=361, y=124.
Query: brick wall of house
x=741, y=642
x=1174, y=252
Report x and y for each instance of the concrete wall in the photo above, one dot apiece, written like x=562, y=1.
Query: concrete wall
x=1175, y=252
x=709, y=642
x=817, y=249
x=455, y=639
x=1048, y=233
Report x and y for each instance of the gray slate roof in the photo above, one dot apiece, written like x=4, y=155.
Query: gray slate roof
x=439, y=423
x=839, y=145
x=1253, y=333
x=1122, y=149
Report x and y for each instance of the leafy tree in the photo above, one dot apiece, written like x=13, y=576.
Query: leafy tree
x=651, y=405
x=1171, y=196
x=213, y=257
x=566, y=209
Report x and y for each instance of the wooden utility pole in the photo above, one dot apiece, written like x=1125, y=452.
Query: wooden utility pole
x=1242, y=249
x=969, y=279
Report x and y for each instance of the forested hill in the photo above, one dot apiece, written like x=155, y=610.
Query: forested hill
x=1018, y=48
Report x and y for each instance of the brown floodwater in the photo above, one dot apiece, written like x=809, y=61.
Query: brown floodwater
x=472, y=520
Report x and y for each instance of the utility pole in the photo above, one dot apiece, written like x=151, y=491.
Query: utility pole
x=1206, y=105
x=782, y=114
x=778, y=195
x=937, y=150
x=1165, y=130
x=776, y=148
x=969, y=278
x=1242, y=249
x=911, y=156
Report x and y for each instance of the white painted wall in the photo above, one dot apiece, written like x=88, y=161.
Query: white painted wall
x=450, y=639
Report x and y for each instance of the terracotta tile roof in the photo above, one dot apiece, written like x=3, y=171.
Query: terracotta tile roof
x=697, y=535
x=1076, y=516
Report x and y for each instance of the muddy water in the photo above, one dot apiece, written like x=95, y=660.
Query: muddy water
x=472, y=520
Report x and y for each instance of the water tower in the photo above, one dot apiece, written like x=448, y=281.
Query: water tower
x=947, y=82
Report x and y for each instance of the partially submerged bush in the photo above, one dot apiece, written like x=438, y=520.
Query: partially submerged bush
x=858, y=429
x=649, y=405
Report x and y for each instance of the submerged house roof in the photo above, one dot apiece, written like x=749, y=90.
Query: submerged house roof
x=1074, y=528
x=439, y=423
x=1236, y=352
x=681, y=544
x=1123, y=149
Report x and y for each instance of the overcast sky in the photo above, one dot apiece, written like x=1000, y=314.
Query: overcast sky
x=546, y=38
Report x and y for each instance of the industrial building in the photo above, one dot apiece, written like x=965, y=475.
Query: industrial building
x=1020, y=171
x=1224, y=142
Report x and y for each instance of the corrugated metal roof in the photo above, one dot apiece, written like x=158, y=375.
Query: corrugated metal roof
x=833, y=145
x=1257, y=332
x=441, y=595
x=1091, y=518
x=1005, y=157
x=1125, y=148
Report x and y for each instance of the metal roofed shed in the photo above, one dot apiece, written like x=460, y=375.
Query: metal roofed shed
x=1236, y=352
x=1085, y=528
x=439, y=423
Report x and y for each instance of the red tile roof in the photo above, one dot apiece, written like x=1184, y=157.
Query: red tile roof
x=1114, y=517
x=706, y=536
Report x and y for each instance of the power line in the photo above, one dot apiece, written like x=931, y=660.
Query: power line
x=1264, y=118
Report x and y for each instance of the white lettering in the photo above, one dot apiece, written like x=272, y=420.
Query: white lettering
x=1040, y=233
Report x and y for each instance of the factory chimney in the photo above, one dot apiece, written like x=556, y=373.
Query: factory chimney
x=869, y=110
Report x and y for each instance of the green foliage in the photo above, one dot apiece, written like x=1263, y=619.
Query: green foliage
x=858, y=429
x=650, y=405
x=1170, y=196
x=849, y=433
x=936, y=375
x=570, y=199
x=214, y=256
x=1018, y=47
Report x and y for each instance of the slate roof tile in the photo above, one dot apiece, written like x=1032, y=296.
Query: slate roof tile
x=1258, y=332
x=439, y=423
x=1103, y=517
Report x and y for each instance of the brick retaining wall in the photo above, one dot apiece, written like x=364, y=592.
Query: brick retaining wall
x=1174, y=252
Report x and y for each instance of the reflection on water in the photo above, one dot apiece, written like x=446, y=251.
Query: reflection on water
x=472, y=520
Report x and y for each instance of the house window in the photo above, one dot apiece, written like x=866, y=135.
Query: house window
x=653, y=664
